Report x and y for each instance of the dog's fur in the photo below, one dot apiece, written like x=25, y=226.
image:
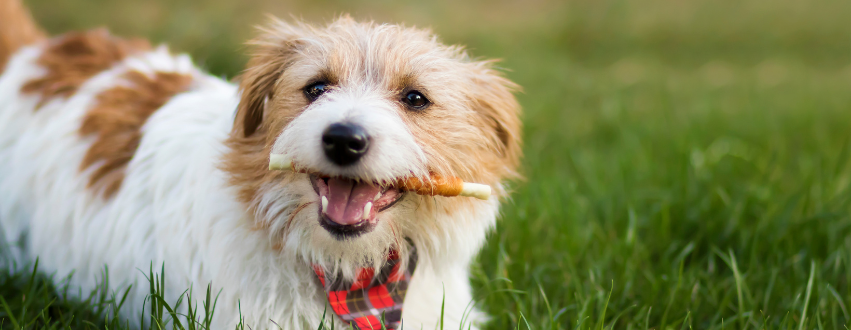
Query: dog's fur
x=119, y=154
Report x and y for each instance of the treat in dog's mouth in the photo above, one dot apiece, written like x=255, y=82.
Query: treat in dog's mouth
x=435, y=185
x=350, y=207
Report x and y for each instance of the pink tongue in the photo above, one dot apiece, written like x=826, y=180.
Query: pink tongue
x=346, y=200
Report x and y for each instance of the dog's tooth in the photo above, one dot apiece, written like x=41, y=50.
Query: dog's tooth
x=377, y=196
x=366, y=209
x=324, y=204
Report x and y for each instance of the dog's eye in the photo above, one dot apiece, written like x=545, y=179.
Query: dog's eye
x=416, y=100
x=313, y=91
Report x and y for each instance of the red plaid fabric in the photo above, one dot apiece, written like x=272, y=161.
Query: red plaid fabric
x=362, y=302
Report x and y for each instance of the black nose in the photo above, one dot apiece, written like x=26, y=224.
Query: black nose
x=345, y=143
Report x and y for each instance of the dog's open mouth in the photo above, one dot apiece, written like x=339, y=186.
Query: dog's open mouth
x=349, y=207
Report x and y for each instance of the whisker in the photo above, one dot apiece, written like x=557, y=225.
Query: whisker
x=395, y=235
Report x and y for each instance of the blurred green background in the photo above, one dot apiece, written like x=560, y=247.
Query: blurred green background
x=686, y=161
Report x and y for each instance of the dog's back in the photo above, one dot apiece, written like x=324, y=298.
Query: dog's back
x=107, y=155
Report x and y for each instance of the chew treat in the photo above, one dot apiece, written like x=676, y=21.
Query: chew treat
x=477, y=190
x=280, y=162
x=437, y=185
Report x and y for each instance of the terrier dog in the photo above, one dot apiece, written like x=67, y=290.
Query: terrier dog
x=115, y=153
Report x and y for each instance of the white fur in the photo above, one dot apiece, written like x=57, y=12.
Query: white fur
x=175, y=207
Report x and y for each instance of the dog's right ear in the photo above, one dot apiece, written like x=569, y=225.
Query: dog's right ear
x=273, y=52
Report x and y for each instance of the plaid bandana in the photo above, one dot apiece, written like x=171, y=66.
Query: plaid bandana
x=364, y=301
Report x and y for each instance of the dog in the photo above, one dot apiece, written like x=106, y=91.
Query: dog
x=117, y=154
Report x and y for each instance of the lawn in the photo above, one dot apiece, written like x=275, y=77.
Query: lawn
x=687, y=163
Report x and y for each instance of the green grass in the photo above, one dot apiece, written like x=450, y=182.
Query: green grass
x=39, y=301
x=687, y=162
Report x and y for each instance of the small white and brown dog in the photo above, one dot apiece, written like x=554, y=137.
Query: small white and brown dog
x=114, y=153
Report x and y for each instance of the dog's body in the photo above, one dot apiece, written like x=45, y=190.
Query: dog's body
x=116, y=154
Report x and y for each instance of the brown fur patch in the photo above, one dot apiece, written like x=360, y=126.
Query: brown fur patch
x=117, y=120
x=73, y=58
x=17, y=29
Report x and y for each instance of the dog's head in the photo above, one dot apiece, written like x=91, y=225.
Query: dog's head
x=359, y=106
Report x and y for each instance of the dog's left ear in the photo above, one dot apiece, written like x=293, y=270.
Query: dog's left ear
x=273, y=52
x=494, y=100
